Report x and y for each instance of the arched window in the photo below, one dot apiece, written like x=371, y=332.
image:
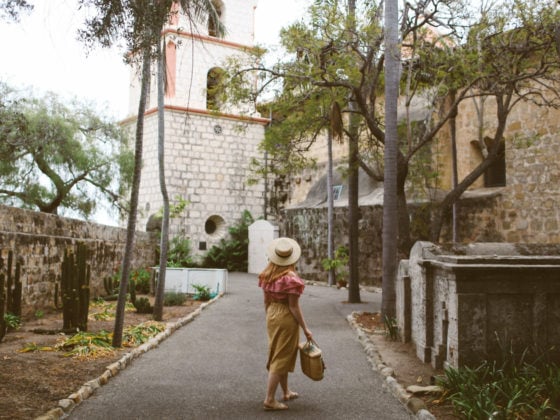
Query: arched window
x=213, y=80
x=212, y=29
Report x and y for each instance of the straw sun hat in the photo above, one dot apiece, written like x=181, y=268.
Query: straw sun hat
x=283, y=251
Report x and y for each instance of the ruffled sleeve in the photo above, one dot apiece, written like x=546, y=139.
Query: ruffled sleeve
x=285, y=285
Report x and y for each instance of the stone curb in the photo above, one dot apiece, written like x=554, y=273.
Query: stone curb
x=415, y=405
x=66, y=405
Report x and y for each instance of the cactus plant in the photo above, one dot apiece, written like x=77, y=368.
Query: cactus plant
x=2, y=300
x=132, y=291
x=10, y=300
x=74, y=286
x=111, y=286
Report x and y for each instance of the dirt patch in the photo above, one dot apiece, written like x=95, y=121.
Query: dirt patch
x=401, y=357
x=33, y=383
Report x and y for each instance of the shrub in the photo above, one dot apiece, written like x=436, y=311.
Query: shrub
x=13, y=322
x=143, y=306
x=141, y=278
x=232, y=253
x=202, y=292
x=179, y=253
x=174, y=299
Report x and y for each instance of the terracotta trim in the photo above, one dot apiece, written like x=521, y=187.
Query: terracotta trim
x=187, y=110
x=207, y=38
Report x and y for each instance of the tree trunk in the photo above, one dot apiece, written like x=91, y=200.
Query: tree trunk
x=403, y=221
x=131, y=227
x=353, y=193
x=330, y=205
x=446, y=205
x=390, y=227
x=158, y=304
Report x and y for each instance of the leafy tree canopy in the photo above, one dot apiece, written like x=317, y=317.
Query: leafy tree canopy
x=57, y=158
x=10, y=9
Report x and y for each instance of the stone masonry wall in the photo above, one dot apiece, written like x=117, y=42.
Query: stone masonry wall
x=41, y=239
x=208, y=169
x=478, y=221
x=528, y=206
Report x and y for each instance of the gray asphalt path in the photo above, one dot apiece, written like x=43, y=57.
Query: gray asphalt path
x=214, y=367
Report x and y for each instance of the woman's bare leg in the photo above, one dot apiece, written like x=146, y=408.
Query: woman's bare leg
x=273, y=380
x=288, y=395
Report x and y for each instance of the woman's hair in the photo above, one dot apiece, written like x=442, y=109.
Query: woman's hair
x=272, y=272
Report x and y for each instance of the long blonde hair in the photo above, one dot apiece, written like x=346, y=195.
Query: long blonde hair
x=272, y=272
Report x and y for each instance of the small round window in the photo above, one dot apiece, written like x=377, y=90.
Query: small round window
x=214, y=225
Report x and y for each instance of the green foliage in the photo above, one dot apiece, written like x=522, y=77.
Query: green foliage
x=39, y=314
x=202, y=292
x=143, y=305
x=391, y=328
x=513, y=388
x=86, y=345
x=231, y=253
x=339, y=263
x=180, y=253
x=141, y=278
x=13, y=322
x=174, y=299
x=60, y=158
x=139, y=334
x=10, y=9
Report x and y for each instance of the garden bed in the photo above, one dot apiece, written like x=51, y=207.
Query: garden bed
x=34, y=382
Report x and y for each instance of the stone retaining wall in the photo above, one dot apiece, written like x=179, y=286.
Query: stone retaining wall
x=478, y=222
x=40, y=240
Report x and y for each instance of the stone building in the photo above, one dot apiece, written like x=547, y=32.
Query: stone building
x=208, y=145
x=516, y=201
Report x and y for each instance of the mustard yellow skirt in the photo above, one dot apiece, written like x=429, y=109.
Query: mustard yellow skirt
x=283, y=338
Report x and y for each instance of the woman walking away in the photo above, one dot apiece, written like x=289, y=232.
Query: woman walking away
x=282, y=288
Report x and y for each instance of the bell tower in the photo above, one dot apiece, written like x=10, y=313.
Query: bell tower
x=208, y=147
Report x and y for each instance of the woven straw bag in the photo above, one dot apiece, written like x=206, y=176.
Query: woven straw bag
x=311, y=358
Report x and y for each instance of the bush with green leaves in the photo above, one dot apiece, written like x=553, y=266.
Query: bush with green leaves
x=143, y=306
x=174, y=299
x=180, y=252
x=141, y=278
x=13, y=322
x=202, y=292
x=232, y=253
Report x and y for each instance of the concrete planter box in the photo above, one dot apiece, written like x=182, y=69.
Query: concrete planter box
x=181, y=280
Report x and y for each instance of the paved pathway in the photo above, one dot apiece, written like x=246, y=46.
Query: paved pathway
x=214, y=367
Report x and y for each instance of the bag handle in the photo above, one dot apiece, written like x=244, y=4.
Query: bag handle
x=309, y=343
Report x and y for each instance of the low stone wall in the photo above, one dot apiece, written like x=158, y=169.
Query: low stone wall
x=40, y=241
x=465, y=304
x=478, y=217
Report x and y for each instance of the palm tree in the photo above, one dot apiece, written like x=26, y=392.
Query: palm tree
x=193, y=10
x=390, y=226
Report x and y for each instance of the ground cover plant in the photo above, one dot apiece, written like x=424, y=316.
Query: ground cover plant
x=515, y=387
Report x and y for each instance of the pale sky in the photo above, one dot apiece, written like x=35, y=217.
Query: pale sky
x=41, y=52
